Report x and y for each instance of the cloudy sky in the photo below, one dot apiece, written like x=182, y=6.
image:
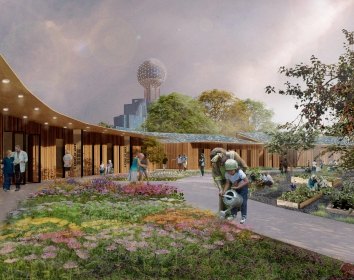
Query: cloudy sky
x=81, y=57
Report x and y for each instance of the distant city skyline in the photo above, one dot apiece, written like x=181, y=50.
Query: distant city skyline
x=81, y=57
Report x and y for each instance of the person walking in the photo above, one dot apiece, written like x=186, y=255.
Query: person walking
x=202, y=164
x=20, y=160
x=142, y=167
x=237, y=180
x=67, y=159
x=8, y=170
x=133, y=172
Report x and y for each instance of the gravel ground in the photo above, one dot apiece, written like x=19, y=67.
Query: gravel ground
x=269, y=196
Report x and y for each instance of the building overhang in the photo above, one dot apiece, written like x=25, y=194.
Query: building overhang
x=17, y=101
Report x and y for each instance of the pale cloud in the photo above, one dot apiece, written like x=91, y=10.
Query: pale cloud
x=81, y=57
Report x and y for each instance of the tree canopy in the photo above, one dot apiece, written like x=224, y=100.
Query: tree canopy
x=153, y=150
x=325, y=96
x=233, y=114
x=178, y=113
x=297, y=139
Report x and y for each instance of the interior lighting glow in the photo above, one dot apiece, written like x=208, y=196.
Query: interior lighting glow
x=46, y=123
x=20, y=96
x=65, y=127
x=87, y=127
x=70, y=123
x=5, y=109
x=54, y=118
x=36, y=109
x=25, y=117
x=5, y=81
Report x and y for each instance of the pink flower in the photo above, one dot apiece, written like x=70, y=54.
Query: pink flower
x=209, y=246
x=30, y=257
x=162, y=252
x=11, y=260
x=90, y=245
x=49, y=255
x=82, y=254
x=111, y=247
x=70, y=265
x=8, y=248
x=50, y=249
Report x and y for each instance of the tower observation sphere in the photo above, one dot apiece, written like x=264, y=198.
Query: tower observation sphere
x=151, y=74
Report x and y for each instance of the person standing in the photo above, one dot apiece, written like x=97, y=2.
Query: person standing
x=314, y=166
x=164, y=162
x=67, y=159
x=237, y=180
x=8, y=170
x=20, y=160
x=184, y=162
x=179, y=163
x=202, y=164
x=109, y=167
x=102, y=168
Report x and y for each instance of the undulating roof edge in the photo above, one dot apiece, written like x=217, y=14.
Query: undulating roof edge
x=31, y=108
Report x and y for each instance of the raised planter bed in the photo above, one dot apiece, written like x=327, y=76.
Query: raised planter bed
x=298, y=180
x=298, y=205
x=329, y=208
x=336, y=182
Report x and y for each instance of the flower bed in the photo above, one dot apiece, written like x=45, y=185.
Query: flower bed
x=102, y=230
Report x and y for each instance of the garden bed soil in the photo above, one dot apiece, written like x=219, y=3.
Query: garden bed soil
x=298, y=205
x=343, y=212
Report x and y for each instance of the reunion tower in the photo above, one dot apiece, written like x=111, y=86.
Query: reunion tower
x=151, y=74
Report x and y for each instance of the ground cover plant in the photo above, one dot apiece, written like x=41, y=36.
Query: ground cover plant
x=100, y=229
x=159, y=175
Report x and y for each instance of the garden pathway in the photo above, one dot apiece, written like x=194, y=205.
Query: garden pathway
x=324, y=236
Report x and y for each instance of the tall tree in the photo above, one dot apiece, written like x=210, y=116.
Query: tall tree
x=217, y=103
x=325, y=96
x=233, y=114
x=260, y=117
x=153, y=150
x=178, y=113
x=296, y=138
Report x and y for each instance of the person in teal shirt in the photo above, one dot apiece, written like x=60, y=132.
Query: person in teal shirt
x=133, y=173
x=8, y=170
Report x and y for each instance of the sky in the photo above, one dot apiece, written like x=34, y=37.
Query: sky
x=81, y=57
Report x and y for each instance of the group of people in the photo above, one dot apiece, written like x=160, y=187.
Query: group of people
x=14, y=164
x=138, y=168
x=182, y=162
x=228, y=171
x=108, y=169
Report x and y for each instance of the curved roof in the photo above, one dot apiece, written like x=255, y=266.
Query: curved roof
x=17, y=101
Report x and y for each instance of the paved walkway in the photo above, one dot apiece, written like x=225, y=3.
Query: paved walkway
x=324, y=236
